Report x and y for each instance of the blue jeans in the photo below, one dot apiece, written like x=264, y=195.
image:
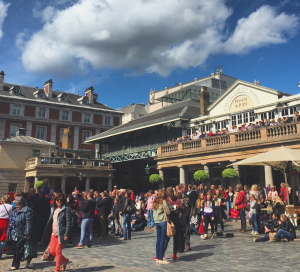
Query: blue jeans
x=150, y=220
x=284, y=234
x=193, y=228
x=229, y=206
x=2, y=245
x=264, y=239
x=254, y=222
x=86, y=225
x=243, y=218
x=127, y=222
x=161, y=230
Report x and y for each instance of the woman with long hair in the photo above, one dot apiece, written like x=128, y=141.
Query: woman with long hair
x=219, y=210
x=229, y=200
x=58, y=229
x=254, y=191
x=279, y=206
x=272, y=194
x=283, y=192
x=285, y=230
x=160, y=210
x=208, y=215
x=240, y=202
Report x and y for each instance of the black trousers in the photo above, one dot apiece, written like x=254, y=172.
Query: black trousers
x=175, y=239
x=18, y=253
x=219, y=220
x=207, y=220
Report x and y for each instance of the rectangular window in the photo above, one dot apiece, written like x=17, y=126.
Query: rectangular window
x=107, y=121
x=35, y=152
x=65, y=116
x=233, y=120
x=42, y=113
x=16, y=110
x=13, y=129
x=86, y=134
x=252, y=116
x=61, y=134
x=292, y=110
x=263, y=116
x=12, y=187
x=41, y=133
x=246, y=117
x=87, y=118
x=127, y=171
x=271, y=115
x=239, y=119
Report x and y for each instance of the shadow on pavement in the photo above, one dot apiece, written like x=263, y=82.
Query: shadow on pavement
x=96, y=268
x=193, y=257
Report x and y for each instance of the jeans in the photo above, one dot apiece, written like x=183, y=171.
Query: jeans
x=243, y=219
x=117, y=225
x=264, y=239
x=254, y=222
x=229, y=206
x=55, y=250
x=87, y=225
x=161, y=230
x=193, y=228
x=137, y=227
x=127, y=222
x=2, y=245
x=150, y=220
x=284, y=234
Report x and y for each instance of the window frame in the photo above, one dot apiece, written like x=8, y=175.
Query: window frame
x=13, y=109
x=44, y=111
x=84, y=118
x=105, y=118
x=14, y=124
x=83, y=132
x=45, y=132
x=63, y=115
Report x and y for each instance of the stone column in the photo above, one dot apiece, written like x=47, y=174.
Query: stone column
x=161, y=174
x=36, y=179
x=110, y=186
x=182, y=174
x=87, y=184
x=53, y=133
x=26, y=186
x=29, y=129
x=237, y=180
x=63, y=184
x=209, y=180
x=268, y=175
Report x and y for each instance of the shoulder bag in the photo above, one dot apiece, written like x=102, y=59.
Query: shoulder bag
x=170, y=226
x=6, y=211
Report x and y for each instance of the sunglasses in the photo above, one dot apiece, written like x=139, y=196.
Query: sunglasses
x=59, y=199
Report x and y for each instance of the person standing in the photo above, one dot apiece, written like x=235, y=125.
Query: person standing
x=58, y=230
x=127, y=218
x=160, y=214
x=240, y=202
x=20, y=228
x=101, y=209
x=150, y=221
x=88, y=208
x=34, y=205
x=208, y=215
x=229, y=200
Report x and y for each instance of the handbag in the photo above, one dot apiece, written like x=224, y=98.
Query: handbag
x=47, y=257
x=170, y=226
x=201, y=227
x=194, y=220
x=271, y=235
x=29, y=250
x=234, y=213
x=130, y=209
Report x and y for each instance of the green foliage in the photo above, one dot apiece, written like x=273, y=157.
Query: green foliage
x=38, y=184
x=229, y=173
x=155, y=178
x=200, y=175
x=298, y=170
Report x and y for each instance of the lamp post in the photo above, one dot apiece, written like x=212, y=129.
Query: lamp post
x=147, y=169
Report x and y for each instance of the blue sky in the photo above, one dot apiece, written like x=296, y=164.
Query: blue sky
x=125, y=48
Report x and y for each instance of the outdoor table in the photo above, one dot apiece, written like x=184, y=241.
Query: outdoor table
x=268, y=210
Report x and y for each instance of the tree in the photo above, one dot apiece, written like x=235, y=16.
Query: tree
x=154, y=178
x=200, y=175
x=38, y=184
x=229, y=173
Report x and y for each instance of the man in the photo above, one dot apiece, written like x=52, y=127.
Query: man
x=196, y=136
x=187, y=212
x=271, y=226
x=139, y=222
x=201, y=188
x=256, y=125
x=88, y=209
x=189, y=189
x=115, y=189
x=108, y=206
x=150, y=219
x=203, y=134
x=212, y=188
x=232, y=129
x=177, y=188
x=34, y=204
x=44, y=215
x=193, y=196
x=101, y=205
x=295, y=117
x=121, y=204
x=261, y=191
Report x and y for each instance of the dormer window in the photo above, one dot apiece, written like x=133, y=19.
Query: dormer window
x=15, y=90
x=63, y=97
x=83, y=100
x=39, y=94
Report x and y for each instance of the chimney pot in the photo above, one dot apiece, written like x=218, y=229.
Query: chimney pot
x=48, y=88
x=2, y=80
x=89, y=92
x=21, y=132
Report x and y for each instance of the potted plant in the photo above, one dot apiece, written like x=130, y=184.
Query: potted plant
x=39, y=184
x=229, y=173
x=200, y=175
x=155, y=178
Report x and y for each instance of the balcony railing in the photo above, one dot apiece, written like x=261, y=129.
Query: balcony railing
x=276, y=134
x=66, y=162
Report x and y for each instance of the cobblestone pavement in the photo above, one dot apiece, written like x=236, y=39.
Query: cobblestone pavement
x=220, y=254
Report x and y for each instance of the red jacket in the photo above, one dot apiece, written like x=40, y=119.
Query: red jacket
x=240, y=201
x=283, y=194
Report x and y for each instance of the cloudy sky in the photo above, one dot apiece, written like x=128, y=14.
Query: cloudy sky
x=125, y=48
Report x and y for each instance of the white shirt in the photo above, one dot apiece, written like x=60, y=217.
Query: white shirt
x=3, y=212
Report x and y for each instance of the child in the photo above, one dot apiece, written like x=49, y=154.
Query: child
x=253, y=211
x=208, y=215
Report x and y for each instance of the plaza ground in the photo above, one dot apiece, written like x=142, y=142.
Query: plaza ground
x=238, y=253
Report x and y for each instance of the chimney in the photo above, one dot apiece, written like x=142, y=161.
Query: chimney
x=204, y=101
x=89, y=92
x=48, y=88
x=2, y=80
x=21, y=132
x=67, y=139
x=95, y=98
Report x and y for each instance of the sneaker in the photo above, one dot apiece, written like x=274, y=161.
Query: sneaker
x=255, y=233
x=205, y=237
x=252, y=232
x=88, y=246
x=255, y=240
x=212, y=237
x=174, y=257
x=122, y=239
x=155, y=258
x=78, y=246
x=201, y=236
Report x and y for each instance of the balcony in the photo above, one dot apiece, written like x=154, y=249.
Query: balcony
x=66, y=163
x=280, y=134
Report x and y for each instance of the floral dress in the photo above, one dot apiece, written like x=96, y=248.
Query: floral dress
x=12, y=232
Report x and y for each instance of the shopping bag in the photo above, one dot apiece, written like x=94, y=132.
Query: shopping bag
x=29, y=250
x=201, y=228
x=249, y=215
x=47, y=257
x=234, y=213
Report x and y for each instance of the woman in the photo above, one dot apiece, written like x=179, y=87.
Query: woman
x=199, y=207
x=229, y=200
x=240, y=202
x=20, y=228
x=254, y=191
x=283, y=192
x=58, y=230
x=219, y=210
x=182, y=218
x=285, y=230
x=160, y=212
x=279, y=206
x=6, y=210
x=272, y=194
x=127, y=218
x=208, y=215
x=115, y=216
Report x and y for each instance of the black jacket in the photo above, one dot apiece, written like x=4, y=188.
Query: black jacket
x=108, y=205
x=101, y=205
x=45, y=207
x=34, y=205
x=288, y=226
x=140, y=219
x=121, y=203
x=88, y=208
x=193, y=196
x=115, y=212
x=24, y=222
x=127, y=203
x=279, y=208
x=64, y=220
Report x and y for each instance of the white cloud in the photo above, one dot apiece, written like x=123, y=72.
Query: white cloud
x=151, y=36
x=3, y=14
x=263, y=27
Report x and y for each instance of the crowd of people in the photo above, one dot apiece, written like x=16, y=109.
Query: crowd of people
x=244, y=127
x=55, y=219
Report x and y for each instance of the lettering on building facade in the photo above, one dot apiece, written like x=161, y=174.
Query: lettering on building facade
x=240, y=103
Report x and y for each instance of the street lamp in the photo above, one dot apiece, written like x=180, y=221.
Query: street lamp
x=147, y=169
x=79, y=176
